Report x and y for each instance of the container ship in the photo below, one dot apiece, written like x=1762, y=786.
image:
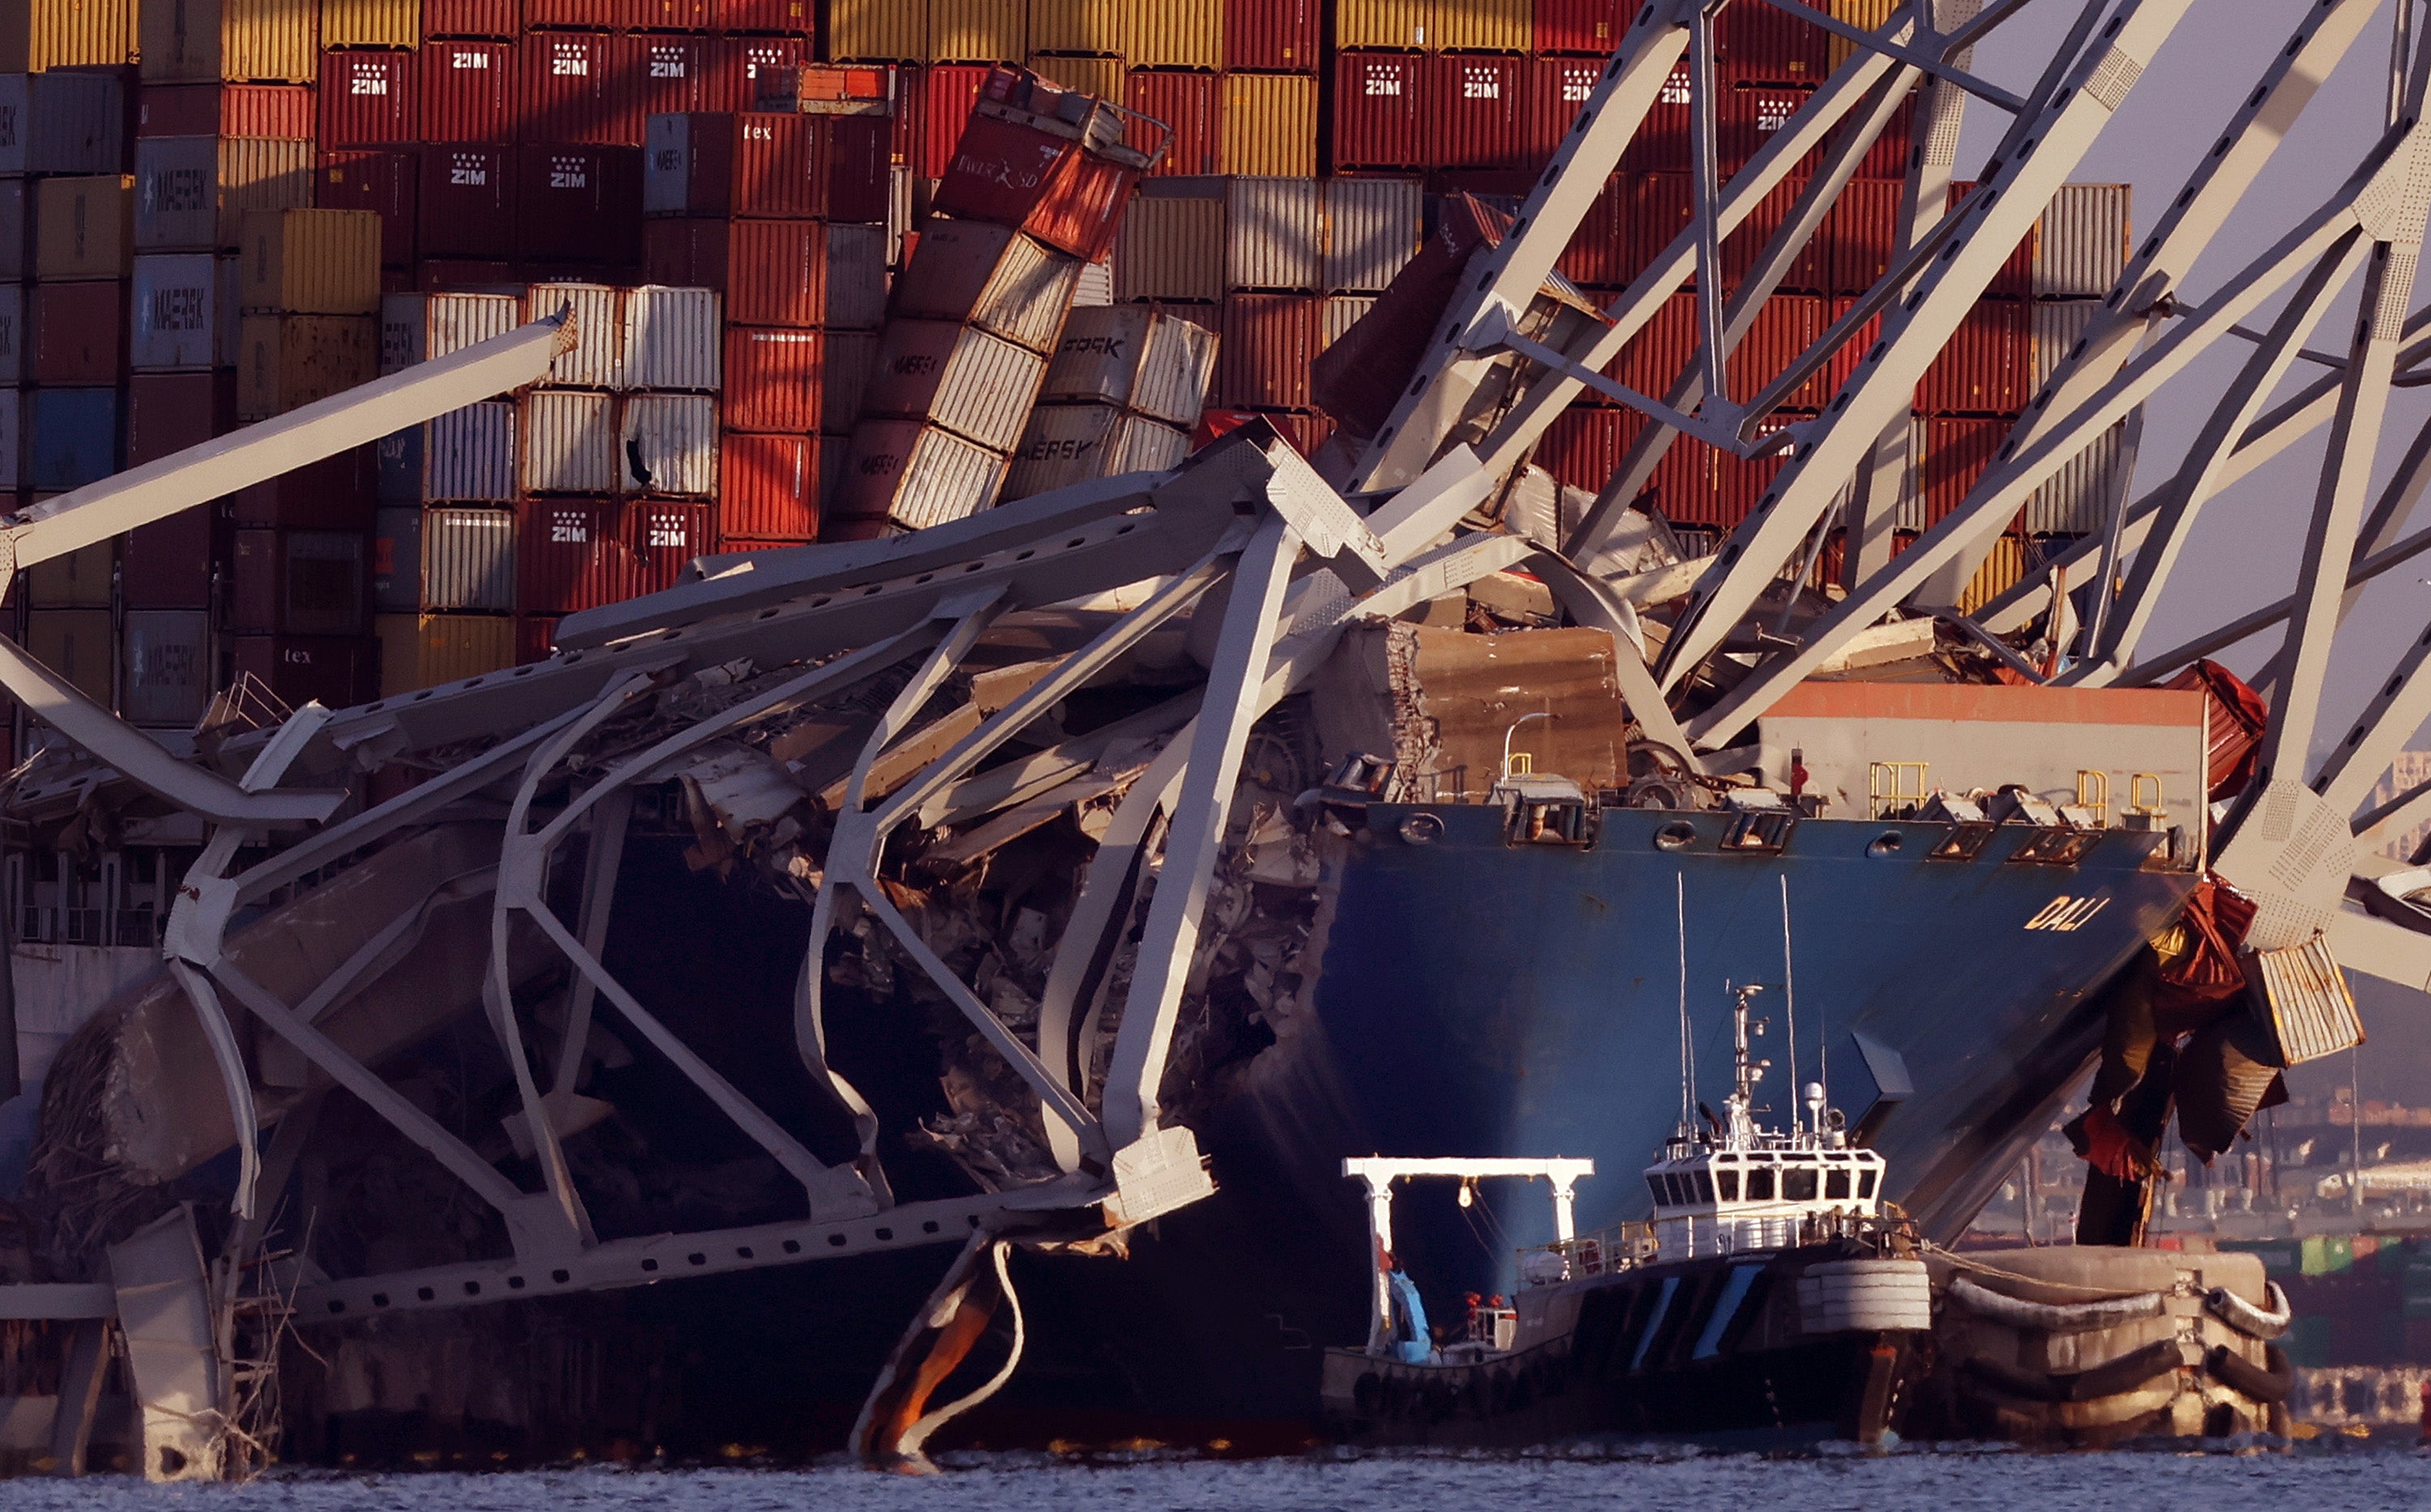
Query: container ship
x=874, y=634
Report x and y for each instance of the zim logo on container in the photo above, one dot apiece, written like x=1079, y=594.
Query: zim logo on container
x=1383, y=81
x=1675, y=89
x=666, y=62
x=469, y=60
x=1577, y=86
x=1480, y=84
x=570, y=64
x=469, y=170
x=670, y=533
x=568, y=530
x=568, y=173
x=367, y=81
x=2065, y=914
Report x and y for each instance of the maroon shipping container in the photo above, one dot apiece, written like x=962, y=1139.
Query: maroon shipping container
x=769, y=485
x=337, y=670
x=167, y=412
x=579, y=86
x=535, y=640
x=468, y=92
x=943, y=99
x=1556, y=88
x=335, y=494
x=465, y=207
x=1785, y=327
x=1737, y=482
x=311, y=582
x=599, y=15
x=1577, y=25
x=2016, y=278
x=1662, y=349
x=1661, y=145
x=735, y=62
x=1583, y=447
x=772, y=273
x=282, y=110
x=1269, y=340
x=1852, y=352
x=671, y=74
x=1602, y=254
x=670, y=15
x=1271, y=36
x=773, y=381
x=384, y=180
x=570, y=555
x=1810, y=272
x=1749, y=115
x=1988, y=367
x=170, y=564
x=663, y=536
x=501, y=18
x=1476, y=104
x=1758, y=44
x=579, y=204
x=79, y=331
x=1660, y=209
x=1192, y=104
x=762, y=165
x=792, y=18
x=367, y=98
x=1887, y=158
x=1379, y=111
x=1862, y=232
x=1956, y=451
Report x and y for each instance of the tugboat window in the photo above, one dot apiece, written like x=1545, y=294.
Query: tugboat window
x=1836, y=1185
x=1866, y=1184
x=1760, y=1184
x=1704, y=1188
x=1798, y=1184
x=1729, y=1181
x=1662, y=1195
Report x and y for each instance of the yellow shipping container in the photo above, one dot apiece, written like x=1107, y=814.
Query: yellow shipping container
x=80, y=580
x=39, y=34
x=310, y=263
x=285, y=361
x=1076, y=25
x=84, y=227
x=1870, y=14
x=75, y=642
x=978, y=31
x=1383, y=24
x=879, y=29
x=2000, y=572
x=1480, y=26
x=371, y=23
x=1174, y=34
x=424, y=650
x=200, y=41
x=1100, y=76
x=1269, y=126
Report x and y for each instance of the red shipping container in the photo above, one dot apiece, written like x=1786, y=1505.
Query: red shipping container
x=1758, y=44
x=771, y=382
x=570, y=555
x=1738, y=483
x=1582, y=446
x=1556, y=90
x=170, y=564
x=792, y=18
x=663, y=536
x=1600, y=250
x=1956, y=451
x=1785, y=327
x=283, y=111
x=1862, y=233
x=772, y=273
x=762, y=165
x=465, y=207
x=334, y=494
x=769, y=486
x=1852, y=352
x=735, y=62
x=1661, y=145
x=580, y=86
x=1661, y=208
x=941, y=97
x=1749, y=115
x=375, y=178
x=1662, y=349
x=79, y=331
x=1887, y=158
x=1191, y=104
x=579, y=206
x=1271, y=36
x=599, y=15
x=671, y=74
x=2016, y=278
x=1577, y=25
x=1269, y=340
x=367, y=98
x=468, y=92
x=1379, y=111
x=337, y=670
x=1809, y=272
x=167, y=412
x=670, y=15
x=1986, y=367
x=470, y=17
x=1476, y=107
x=535, y=638
x=1011, y=172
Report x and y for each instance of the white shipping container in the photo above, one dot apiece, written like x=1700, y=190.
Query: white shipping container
x=166, y=660
x=423, y=327
x=1171, y=248
x=596, y=358
x=851, y=357
x=2082, y=248
x=1067, y=443
x=2056, y=326
x=1099, y=357
x=1096, y=287
x=61, y=123
x=666, y=444
x=915, y=474
x=182, y=312
x=991, y=277
x=672, y=338
x=856, y=276
x=468, y=561
x=1271, y=233
x=975, y=385
x=1339, y=313
x=12, y=437
x=898, y=214
x=15, y=350
x=1176, y=371
x=469, y=454
x=569, y=442
x=1370, y=227
x=2078, y=498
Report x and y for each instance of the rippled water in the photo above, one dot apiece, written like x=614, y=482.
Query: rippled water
x=2313, y=1480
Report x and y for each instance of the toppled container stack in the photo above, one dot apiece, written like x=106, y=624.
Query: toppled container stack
x=1122, y=396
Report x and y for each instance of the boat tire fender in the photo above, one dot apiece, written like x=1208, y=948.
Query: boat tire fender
x=2268, y=1386
x=2128, y=1372
x=2047, y=1318
x=2247, y=1320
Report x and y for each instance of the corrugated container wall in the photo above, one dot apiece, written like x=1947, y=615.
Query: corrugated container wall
x=467, y=91
x=468, y=560
x=1270, y=125
x=422, y=328
x=80, y=580
x=15, y=336
x=1384, y=23
x=61, y=124
x=877, y=29
x=1271, y=233
x=1987, y=366
x=773, y=380
x=1576, y=26
x=856, y=275
x=427, y=651
x=1079, y=26
x=667, y=444
x=975, y=385
x=371, y=23
x=1171, y=249
x=991, y=275
x=569, y=442
x=383, y=180
x=671, y=338
x=1269, y=340
x=1474, y=114
x=312, y=261
x=224, y=109
x=285, y=361
x=769, y=485
x=1379, y=111
x=574, y=90
x=469, y=454
x=1276, y=36
x=1371, y=227
x=915, y=476
x=1484, y=26
x=2078, y=498
x=596, y=358
x=1101, y=78
x=2057, y=326
x=81, y=227
x=2081, y=248
x=571, y=556
x=192, y=194
x=1191, y=104
x=978, y=31
x=368, y=98
x=167, y=664
x=262, y=40
x=79, y=331
x=1342, y=312
x=42, y=34
x=1174, y=33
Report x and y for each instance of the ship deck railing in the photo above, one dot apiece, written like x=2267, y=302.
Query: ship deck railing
x=1617, y=1248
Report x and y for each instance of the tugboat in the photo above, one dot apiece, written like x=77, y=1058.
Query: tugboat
x=1774, y=1300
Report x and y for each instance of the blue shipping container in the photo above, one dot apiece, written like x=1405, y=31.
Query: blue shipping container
x=71, y=438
